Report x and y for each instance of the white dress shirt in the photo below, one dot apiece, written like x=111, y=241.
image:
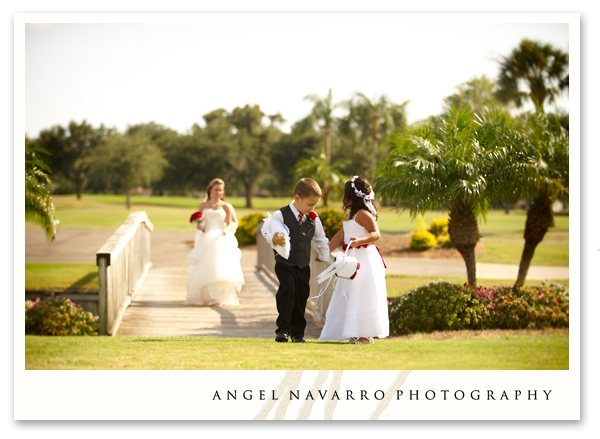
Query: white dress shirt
x=319, y=238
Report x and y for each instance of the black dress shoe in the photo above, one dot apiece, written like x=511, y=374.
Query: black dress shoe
x=282, y=337
x=298, y=340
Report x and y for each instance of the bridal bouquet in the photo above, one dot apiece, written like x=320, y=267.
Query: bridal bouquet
x=198, y=218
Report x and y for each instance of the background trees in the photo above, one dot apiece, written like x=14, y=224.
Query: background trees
x=252, y=145
x=533, y=71
x=68, y=152
x=125, y=162
x=372, y=119
x=321, y=115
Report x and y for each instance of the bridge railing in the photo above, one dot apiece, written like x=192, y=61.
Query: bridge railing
x=266, y=263
x=123, y=263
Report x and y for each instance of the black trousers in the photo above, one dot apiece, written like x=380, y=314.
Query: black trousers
x=293, y=292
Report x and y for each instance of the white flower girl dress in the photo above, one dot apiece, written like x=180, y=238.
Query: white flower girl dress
x=214, y=276
x=358, y=307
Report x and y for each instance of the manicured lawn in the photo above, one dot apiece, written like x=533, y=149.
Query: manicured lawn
x=108, y=211
x=399, y=285
x=41, y=276
x=547, y=253
x=477, y=350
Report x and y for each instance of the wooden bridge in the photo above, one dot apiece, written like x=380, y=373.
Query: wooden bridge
x=136, y=300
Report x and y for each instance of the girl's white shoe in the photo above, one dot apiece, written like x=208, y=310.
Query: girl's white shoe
x=356, y=340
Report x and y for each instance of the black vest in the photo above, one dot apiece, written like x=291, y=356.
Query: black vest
x=300, y=239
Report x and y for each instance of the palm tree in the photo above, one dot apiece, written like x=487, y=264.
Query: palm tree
x=322, y=113
x=451, y=166
x=375, y=117
x=543, y=69
x=327, y=175
x=549, y=150
x=38, y=204
x=479, y=92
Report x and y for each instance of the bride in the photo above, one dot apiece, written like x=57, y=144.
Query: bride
x=214, y=276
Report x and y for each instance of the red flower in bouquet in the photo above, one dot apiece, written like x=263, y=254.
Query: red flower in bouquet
x=312, y=215
x=197, y=217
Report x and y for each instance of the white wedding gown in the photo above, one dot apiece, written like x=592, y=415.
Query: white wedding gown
x=214, y=276
x=358, y=307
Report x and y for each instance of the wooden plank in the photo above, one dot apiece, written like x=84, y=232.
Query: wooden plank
x=159, y=310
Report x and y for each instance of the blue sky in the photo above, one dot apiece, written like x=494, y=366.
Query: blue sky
x=172, y=74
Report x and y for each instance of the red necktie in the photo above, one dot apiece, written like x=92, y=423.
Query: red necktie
x=300, y=218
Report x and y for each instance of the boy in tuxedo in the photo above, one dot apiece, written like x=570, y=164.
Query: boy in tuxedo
x=302, y=226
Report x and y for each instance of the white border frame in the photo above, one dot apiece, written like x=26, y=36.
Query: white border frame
x=189, y=398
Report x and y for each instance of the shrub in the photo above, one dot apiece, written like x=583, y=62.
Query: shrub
x=58, y=316
x=444, y=240
x=442, y=306
x=332, y=220
x=439, y=226
x=245, y=232
x=422, y=240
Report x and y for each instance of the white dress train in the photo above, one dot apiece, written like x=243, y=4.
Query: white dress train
x=214, y=276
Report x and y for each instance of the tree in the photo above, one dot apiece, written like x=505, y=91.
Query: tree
x=328, y=177
x=374, y=118
x=322, y=113
x=455, y=165
x=286, y=153
x=251, y=145
x=548, y=144
x=534, y=71
x=125, y=162
x=478, y=92
x=68, y=152
x=170, y=144
x=38, y=204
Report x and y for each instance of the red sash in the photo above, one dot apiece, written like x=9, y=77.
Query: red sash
x=345, y=246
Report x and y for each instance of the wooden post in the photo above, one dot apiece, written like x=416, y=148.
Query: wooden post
x=101, y=261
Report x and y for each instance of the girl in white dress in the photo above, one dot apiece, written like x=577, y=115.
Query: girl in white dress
x=214, y=276
x=358, y=310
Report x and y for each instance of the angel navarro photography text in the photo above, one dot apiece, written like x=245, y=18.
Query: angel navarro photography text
x=400, y=395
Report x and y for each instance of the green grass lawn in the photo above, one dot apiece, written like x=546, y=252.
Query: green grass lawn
x=108, y=211
x=399, y=285
x=464, y=350
x=554, y=254
x=42, y=276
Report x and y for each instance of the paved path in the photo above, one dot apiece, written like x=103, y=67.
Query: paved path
x=445, y=267
x=158, y=310
x=169, y=249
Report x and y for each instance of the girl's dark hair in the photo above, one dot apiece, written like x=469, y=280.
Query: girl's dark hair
x=357, y=203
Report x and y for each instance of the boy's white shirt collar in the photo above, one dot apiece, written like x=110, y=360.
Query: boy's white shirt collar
x=296, y=211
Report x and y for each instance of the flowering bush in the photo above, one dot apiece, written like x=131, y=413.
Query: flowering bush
x=245, y=232
x=58, y=316
x=422, y=240
x=439, y=226
x=442, y=306
x=444, y=240
x=332, y=220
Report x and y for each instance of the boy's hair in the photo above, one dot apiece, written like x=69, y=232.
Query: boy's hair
x=307, y=187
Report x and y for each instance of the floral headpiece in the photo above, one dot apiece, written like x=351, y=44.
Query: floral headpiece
x=367, y=197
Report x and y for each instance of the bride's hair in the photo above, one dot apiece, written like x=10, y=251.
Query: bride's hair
x=211, y=184
x=353, y=202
